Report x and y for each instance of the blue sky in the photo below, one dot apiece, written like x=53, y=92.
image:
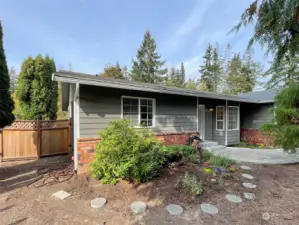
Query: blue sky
x=91, y=33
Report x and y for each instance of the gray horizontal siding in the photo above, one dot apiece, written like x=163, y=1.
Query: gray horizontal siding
x=254, y=116
x=99, y=106
x=233, y=137
x=208, y=126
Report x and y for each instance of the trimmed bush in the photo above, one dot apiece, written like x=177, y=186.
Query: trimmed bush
x=126, y=153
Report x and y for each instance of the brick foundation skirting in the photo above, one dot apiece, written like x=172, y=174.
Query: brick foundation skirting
x=86, y=147
x=254, y=136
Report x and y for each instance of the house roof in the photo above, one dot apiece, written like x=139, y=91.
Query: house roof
x=263, y=96
x=88, y=79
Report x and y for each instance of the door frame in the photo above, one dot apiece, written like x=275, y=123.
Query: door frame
x=201, y=128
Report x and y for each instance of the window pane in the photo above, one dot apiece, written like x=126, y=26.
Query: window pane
x=150, y=116
x=143, y=116
x=143, y=102
x=232, y=118
x=126, y=101
x=150, y=102
x=150, y=109
x=134, y=102
x=143, y=123
x=150, y=123
x=143, y=109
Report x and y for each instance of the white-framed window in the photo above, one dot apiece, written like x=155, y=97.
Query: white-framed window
x=219, y=117
x=140, y=111
x=233, y=118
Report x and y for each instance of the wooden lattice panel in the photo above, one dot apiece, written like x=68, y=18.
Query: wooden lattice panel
x=23, y=125
x=54, y=123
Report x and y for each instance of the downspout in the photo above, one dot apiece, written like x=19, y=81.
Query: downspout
x=226, y=122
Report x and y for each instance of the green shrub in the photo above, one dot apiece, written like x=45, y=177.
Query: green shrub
x=191, y=184
x=176, y=152
x=219, y=160
x=206, y=155
x=126, y=153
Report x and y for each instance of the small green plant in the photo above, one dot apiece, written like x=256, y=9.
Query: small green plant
x=126, y=153
x=191, y=184
x=176, y=152
x=219, y=160
x=206, y=155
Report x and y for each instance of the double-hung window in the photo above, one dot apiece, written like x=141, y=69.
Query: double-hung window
x=140, y=111
x=233, y=118
x=219, y=117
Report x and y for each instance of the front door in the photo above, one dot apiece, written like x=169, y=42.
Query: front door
x=201, y=121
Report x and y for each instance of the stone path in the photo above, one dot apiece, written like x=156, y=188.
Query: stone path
x=138, y=207
x=175, y=209
x=259, y=156
x=233, y=198
x=61, y=194
x=249, y=196
x=247, y=176
x=98, y=203
x=208, y=208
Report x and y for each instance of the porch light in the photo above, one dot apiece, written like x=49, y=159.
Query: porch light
x=211, y=109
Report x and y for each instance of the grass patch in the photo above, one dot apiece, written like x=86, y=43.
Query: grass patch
x=248, y=145
x=219, y=160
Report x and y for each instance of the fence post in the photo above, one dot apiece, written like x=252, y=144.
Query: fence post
x=1, y=145
x=38, y=139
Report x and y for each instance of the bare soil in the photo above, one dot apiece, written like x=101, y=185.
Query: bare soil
x=277, y=194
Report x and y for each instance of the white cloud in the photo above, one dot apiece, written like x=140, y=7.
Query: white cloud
x=192, y=22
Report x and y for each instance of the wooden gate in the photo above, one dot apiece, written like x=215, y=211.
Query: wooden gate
x=33, y=139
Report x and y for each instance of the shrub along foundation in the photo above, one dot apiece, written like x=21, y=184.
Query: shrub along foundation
x=87, y=146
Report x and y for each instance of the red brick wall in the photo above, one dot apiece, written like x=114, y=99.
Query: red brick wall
x=86, y=147
x=255, y=137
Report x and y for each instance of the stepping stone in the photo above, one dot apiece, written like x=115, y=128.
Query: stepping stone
x=245, y=167
x=249, y=185
x=175, y=209
x=98, y=203
x=208, y=208
x=249, y=196
x=247, y=176
x=61, y=194
x=138, y=207
x=233, y=198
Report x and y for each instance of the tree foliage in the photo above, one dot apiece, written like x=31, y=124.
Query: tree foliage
x=148, y=66
x=284, y=73
x=176, y=77
x=276, y=25
x=13, y=79
x=285, y=125
x=6, y=102
x=37, y=93
x=114, y=71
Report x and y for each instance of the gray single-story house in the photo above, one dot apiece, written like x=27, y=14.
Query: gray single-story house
x=172, y=113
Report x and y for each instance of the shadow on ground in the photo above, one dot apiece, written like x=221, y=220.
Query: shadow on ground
x=17, y=174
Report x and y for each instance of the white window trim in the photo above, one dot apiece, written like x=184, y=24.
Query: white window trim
x=220, y=106
x=238, y=118
x=140, y=98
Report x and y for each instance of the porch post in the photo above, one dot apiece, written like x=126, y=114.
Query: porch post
x=76, y=125
x=197, y=113
x=226, y=122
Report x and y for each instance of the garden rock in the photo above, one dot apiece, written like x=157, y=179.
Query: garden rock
x=249, y=185
x=61, y=194
x=247, y=176
x=245, y=167
x=138, y=207
x=249, y=196
x=98, y=203
x=208, y=208
x=175, y=209
x=233, y=198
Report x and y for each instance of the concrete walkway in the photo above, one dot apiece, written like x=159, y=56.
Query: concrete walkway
x=259, y=156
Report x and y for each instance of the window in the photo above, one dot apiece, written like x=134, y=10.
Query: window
x=140, y=111
x=219, y=117
x=233, y=118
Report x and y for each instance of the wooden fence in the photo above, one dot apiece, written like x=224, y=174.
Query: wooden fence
x=31, y=139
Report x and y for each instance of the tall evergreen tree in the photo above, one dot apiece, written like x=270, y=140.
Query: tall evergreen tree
x=206, y=69
x=6, y=102
x=176, y=77
x=148, y=66
x=37, y=93
x=284, y=73
x=216, y=69
x=182, y=77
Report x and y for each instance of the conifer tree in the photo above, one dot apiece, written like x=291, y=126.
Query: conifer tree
x=148, y=66
x=37, y=93
x=6, y=102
